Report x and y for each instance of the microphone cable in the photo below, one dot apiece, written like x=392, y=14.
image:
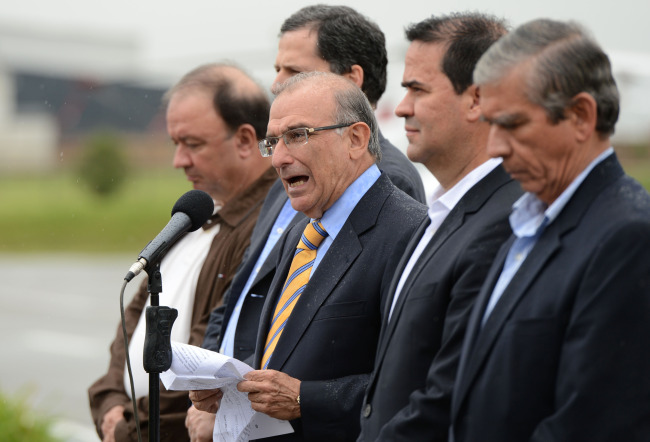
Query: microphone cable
x=128, y=362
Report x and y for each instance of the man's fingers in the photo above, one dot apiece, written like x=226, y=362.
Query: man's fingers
x=199, y=395
x=206, y=400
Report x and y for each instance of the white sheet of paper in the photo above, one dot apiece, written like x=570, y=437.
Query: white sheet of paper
x=195, y=368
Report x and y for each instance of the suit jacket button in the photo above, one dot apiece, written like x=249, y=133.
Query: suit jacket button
x=367, y=410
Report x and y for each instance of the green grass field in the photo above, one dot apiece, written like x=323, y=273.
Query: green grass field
x=59, y=214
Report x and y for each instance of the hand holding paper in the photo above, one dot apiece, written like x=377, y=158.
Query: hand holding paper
x=273, y=393
x=195, y=368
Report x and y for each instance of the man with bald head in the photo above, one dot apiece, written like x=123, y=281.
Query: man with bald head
x=319, y=329
x=215, y=116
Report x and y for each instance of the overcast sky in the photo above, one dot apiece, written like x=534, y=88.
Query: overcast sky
x=175, y=32
x=175, y=36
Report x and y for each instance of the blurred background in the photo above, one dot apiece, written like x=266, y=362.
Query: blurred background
x=85, y=162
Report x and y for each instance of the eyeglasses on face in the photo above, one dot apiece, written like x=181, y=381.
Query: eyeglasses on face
x=293, y=138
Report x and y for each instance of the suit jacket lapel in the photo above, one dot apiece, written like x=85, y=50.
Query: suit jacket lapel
x=413, y=243
x=292, y=238
x=321, y=284
x=479, y=341
x=470, y=203
x=339, y=258
x=268, y=214
x=270, y=263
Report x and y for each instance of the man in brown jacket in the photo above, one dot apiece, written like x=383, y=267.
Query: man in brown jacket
x=215, y=116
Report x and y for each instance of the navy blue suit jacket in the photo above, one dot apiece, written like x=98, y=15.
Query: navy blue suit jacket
x=564, y=355
x=330, y=339
x=396, y=166
x=431, y=313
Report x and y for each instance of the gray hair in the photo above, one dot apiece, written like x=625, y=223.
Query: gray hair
x=564, y=61
x=352, y=105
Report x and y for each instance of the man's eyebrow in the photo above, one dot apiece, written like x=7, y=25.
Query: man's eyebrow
x=506, y=119
x=290, y=127
x=411, y=83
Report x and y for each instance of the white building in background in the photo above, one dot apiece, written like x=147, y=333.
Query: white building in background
x=54, y=83
x=58, y=82
x=27, y=141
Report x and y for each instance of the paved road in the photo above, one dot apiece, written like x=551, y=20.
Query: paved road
x=58, y=314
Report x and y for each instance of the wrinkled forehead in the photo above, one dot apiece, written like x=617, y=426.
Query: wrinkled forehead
x=308, y=100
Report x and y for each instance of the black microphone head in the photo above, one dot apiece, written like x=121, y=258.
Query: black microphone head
x=196, y=204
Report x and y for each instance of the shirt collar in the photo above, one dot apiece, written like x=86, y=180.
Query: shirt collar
x=529, y=213
x=446, y=200
x=242, y=205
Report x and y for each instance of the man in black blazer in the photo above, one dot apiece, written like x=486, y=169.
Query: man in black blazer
x=446, y=261
x=331, y=39
x=317, y=373
x=557, y=344
x=319, y=37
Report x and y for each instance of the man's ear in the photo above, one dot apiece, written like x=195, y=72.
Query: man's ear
x=472, y=94
x=355, y=75
x=359, y=135
x=246, y=140
x=583, y=115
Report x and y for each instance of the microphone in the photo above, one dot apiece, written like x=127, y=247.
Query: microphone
x=189, y=213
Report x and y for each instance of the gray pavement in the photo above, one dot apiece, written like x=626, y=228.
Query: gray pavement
x=58, y=315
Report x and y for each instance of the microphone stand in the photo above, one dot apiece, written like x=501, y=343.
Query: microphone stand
x=157, y=356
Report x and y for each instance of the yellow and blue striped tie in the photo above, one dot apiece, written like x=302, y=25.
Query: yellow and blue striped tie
x=303, y=260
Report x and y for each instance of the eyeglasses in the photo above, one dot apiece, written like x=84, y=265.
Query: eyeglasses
x=293, y=138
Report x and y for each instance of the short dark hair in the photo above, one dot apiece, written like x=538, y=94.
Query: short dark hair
x=236, y=97
x=467, y=36
x=565, y=60
x=346, y=38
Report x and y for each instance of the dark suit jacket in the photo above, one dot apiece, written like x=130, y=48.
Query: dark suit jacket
x=396, y=166
x=400, y=170
x=246, y=332
x=431, y=313
x=329, y=341
x=564, y=355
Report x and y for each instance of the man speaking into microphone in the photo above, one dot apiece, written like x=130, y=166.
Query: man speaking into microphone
x=215, y=116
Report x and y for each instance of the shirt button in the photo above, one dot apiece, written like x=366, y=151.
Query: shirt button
x=367, y=410
x=280, y=230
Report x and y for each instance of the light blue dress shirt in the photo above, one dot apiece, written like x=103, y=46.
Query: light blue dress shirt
x=334, y=218
x=281, y=222
x=529, y=218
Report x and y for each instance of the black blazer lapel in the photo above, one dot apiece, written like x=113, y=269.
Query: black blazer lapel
x=479, y=341
x=415, y=240
x=339, y=258
x=289, y=244
x=270, y=210
x=482, y=339
x=470, y=203
x=336, y=262
x=271, y=261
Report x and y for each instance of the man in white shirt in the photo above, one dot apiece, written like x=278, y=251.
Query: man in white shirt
x=443, y=267
x=215, y=115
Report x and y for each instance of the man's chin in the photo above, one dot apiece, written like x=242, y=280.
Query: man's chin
x=305, y=206
x=412, y=152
